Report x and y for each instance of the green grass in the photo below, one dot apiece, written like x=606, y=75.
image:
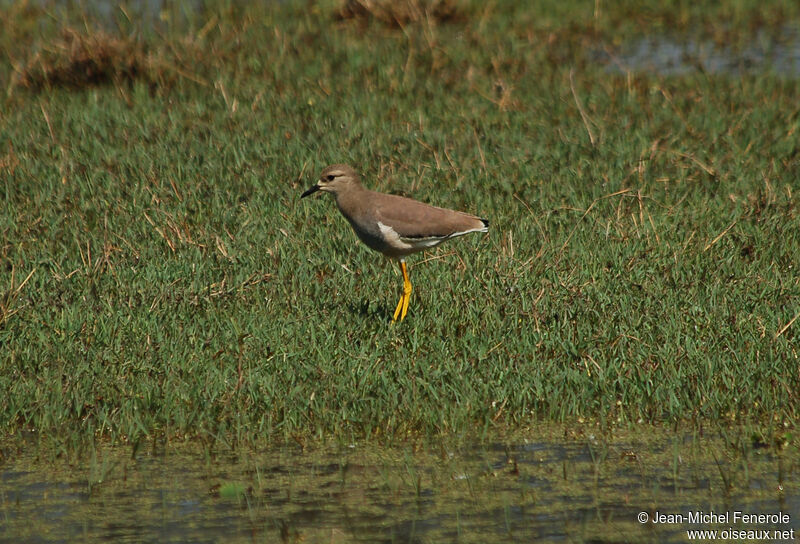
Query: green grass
x=177, y=286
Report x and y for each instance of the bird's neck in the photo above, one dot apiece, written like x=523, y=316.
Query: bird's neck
x=349, y=199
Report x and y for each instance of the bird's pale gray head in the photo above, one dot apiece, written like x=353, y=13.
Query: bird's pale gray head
x=334, y=178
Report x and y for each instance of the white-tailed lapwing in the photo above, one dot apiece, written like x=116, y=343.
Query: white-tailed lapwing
x=393, y=225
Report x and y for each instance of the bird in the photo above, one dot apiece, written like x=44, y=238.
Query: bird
x=393, y=225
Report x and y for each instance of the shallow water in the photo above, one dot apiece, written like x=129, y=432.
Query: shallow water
x=551, y=489
x=777, y=51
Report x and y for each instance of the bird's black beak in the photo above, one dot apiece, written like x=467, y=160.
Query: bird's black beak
x=311, y=190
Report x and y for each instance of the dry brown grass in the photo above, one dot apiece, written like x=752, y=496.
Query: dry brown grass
x=78, y=60
x=398, y=13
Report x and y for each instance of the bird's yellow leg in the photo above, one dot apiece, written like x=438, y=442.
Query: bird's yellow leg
x=399, y=307
x=402, y=305
x=406, y=290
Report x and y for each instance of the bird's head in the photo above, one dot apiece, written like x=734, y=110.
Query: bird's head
x=333, y=179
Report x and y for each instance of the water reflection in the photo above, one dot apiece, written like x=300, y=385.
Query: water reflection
x=561, y=490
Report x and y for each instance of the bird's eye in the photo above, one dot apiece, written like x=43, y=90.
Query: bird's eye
x=330, y=177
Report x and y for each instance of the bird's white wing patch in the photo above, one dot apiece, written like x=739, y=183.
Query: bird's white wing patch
x=415, y=244
x=463, y=232
x=392, y=238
